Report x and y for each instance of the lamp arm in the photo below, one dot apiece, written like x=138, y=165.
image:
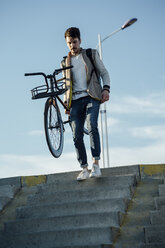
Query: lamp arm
x=125, y=25
x=114, y=32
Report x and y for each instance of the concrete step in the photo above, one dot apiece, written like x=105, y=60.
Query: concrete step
x=122, y=246
x=162, y=190
x=160, y=203
x=116, y=204
x=80, y=195
x=3, y=240
x=114, y=171
x=157, y=217
x=79, y=237
x=8, y=190
x=87, y=246
x=61, y=223
x=11, y=181
x=133, y=245
x=128, y=235
x=154, y=234
x=155, y=245
x=7, y=193
x=138, y=214
x=111, y=182
x=3, y=201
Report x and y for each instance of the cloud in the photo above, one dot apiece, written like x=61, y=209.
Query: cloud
x=112, y=122
x=151, y=154
x=23, y=165
x=150, y=132
x=153, y=104
x=36, y=133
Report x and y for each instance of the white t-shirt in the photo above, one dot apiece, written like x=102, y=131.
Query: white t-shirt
x=79, y=76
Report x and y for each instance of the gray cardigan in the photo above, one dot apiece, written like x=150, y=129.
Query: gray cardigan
x=94, y=88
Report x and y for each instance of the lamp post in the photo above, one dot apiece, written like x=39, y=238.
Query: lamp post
x=103, y=112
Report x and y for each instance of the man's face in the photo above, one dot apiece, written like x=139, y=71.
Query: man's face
x=73, y=44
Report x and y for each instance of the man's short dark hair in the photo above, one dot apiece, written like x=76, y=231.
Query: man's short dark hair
x=72, y=32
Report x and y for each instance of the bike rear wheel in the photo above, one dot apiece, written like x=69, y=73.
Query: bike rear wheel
x=54, y=130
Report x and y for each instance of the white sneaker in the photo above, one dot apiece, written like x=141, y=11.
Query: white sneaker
x=84, y=174
x=95, y=172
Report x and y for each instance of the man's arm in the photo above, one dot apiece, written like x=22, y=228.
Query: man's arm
x=104, y=75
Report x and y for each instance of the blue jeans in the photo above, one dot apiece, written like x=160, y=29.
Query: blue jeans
x=85, y=108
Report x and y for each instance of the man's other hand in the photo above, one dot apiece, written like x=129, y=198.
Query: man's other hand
x=105, y=96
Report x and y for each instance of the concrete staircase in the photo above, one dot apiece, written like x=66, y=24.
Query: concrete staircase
x=8, y=188
x=155, y=232
x=123, y=209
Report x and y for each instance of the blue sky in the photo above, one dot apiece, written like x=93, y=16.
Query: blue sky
x=32, y=39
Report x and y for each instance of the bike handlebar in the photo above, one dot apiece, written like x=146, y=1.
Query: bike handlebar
x=37, y=74
x=34, y=74
x=56, y=72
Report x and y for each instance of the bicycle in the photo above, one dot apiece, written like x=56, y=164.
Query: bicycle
x=53, y=123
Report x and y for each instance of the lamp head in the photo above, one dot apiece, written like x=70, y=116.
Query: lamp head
x=129, y=23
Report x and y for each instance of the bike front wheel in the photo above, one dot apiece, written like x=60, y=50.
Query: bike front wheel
x=54, y=130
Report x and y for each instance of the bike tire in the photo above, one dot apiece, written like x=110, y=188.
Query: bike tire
x=54, y=130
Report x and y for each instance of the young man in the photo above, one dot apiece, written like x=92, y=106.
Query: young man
x=83, y=98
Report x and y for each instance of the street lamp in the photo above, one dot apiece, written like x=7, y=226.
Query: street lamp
x=103, y=112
